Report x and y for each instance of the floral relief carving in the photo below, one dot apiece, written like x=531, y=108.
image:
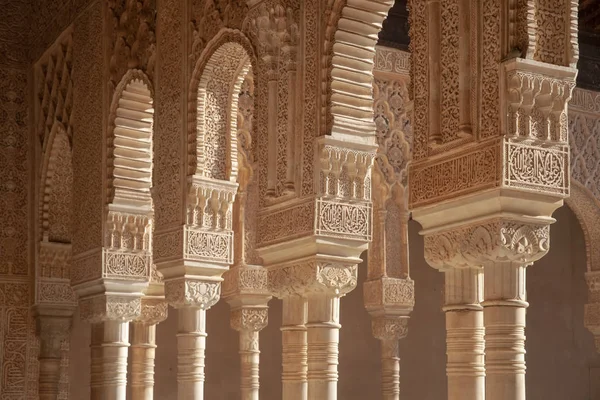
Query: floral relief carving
x=57, y=184
x=390, y=328
x=275, y=226
x=584, y=131
x=168, y=180
x=14, y=145
x=133, y=41
x=247, y=318
x=311, y=276
x=88, y=85
x=210, y=16
x=109, y=307
x=153, y=311
x=462, y=173
x=195, y=293
x=495, y=240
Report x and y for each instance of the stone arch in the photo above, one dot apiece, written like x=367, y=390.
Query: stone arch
x=587, y=210
x=56, y=187
x=213, y=105
x=350, y=37
x=129, y=158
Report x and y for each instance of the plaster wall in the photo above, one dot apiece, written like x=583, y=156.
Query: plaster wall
x=561, y=357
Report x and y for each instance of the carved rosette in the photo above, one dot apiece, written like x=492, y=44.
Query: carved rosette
x=489, y=241
x=313, y=276
x=185, y=292
x=109, y=308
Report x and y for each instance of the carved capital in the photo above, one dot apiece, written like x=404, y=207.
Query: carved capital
x=154, y=311
x=248, y=279
x=249, y=319
x=389, y=294
x=185, y=292
x=394, y=328
x=489, y=241
x=313, y=276
x=109, y=308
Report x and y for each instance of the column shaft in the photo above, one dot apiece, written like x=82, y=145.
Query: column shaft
x=465, y=343
x=294, y=352
x=504, y=317
x=191, y=346
x=323, y=330
x=110, y=342
x=465, y=351
x=142, y=354
x=49, y=377
x=250, y=359
x=390, y=369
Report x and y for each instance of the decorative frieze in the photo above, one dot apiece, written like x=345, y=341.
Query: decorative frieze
x=469, y=171
x=532, y=166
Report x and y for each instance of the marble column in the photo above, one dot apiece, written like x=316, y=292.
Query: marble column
x=110, y=343
x=504, y=317
x=294, y=348
x=464, y=334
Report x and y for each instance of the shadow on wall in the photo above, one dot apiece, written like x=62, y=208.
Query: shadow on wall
x=561, y=357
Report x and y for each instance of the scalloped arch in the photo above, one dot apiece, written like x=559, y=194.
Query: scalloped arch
x=129, y=159
x=351, y=35
x=56, y=186
x=213, y=103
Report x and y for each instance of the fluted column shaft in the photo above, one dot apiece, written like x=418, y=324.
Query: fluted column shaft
x=110, y=342
x=323, y=331
x=294, y=353
x=191, y=348
x=142, y=355
x=464, y=334
x=504, y=318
